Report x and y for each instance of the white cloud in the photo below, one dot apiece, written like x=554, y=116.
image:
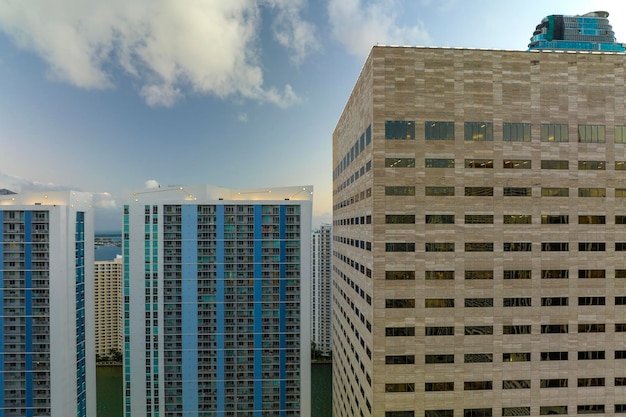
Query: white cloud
x=172, y=47
x=242, y=117
x=152, y=184
x=293, y=33
x=361, y=24
x=24, y=185
x=104, y=201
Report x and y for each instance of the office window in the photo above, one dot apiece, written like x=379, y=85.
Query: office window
x=620, y=192
x=479, y=131
x=477, y=385
x=591, y=273
x=516, y=132
x=554, y=301
x=439, y=302
x=410, y=413
x=439, y=331
x=439, y=247
x=438, y=386
x=438, y=413
x=517, y=191
x=479, y=219
x=553, y=383
x=400, y=303
x=400, y=219
x=478, y=191
x=478, y=330
x=620, y=327
x=554, y=219
x=591, y=247
x=399, y=331
x=400, y=162
x=517, y=219
x=591, y=134
x=590, y=382
x=516, y=164
x=478, y=357
x=591, y=328
x=439, y=163
x=592, y=192
x=554, y=328
x=479, y=163
x=554, y=164
x=552, y=409
x=554, y=192
x=481, y=274
x=477, y=412
x=439, y=130
x=554, y=133
x=620, y=134
x=591, y=165
x=400, y=360
x=516, y=357
x=399, y=247
x=591, y=219
x=439, y=219
x=402, y=387
x=591, y=409
x=620, y=408
x=515, y=411
x=400, y=129
x=554, y=273
x=620, y=219
x=517, y=274
x=439, y=275
x=554, y=356
x=591, y=355
x=516, y=384
x=517, y=246
x=554, y=246
x=591, y=301
x=517, y=302
x=620, y=354
x=516, y=329
x=433, y=191
x=448, y=358
x=479, y=247
x=400, y=190
x=399, y=275
x=478, y=302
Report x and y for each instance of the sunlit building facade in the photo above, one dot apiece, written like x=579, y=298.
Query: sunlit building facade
x=108, y=307
x=216, y=288
x=47, y=359
x=480, y=235
x=321, y=285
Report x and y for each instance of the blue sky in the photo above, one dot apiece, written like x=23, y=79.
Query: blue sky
x=112, y=96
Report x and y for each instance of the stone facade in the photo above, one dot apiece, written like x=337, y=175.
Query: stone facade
x=530, y=185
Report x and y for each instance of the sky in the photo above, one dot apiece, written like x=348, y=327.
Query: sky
x=115, y=96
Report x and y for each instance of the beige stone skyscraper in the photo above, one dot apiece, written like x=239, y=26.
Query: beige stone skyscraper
x=108, y=289
x=479, y=235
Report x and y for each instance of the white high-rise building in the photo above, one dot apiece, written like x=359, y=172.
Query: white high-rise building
x=321, y=284
x=47, y=359
x=217, y=300
x=108, y=291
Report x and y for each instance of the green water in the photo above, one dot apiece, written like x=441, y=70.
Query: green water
x=109, y=390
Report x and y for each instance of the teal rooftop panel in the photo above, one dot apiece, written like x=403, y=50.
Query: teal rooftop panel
x=589, y=32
